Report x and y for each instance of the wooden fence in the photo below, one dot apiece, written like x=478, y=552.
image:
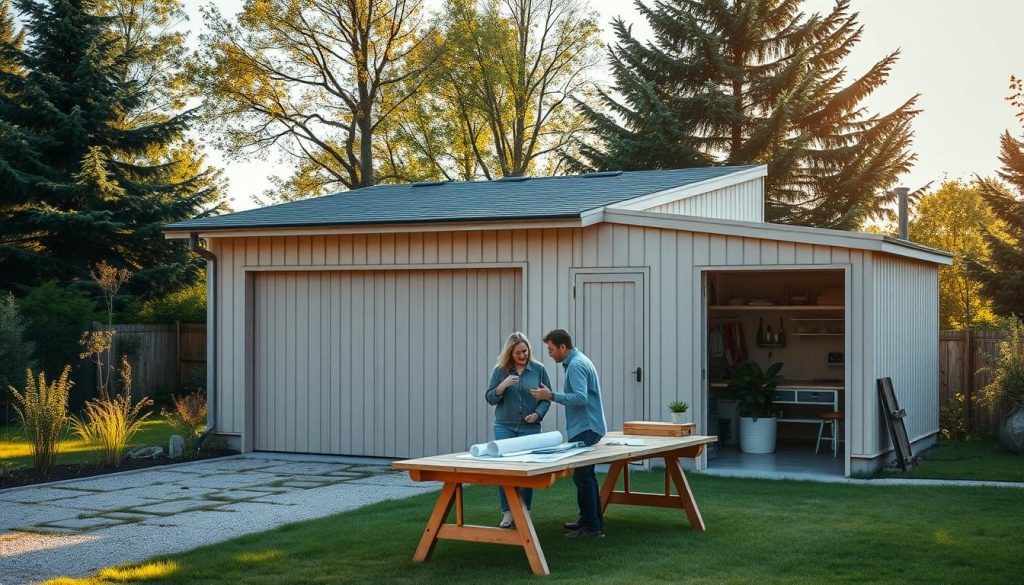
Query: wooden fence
x=961, y=357
x=164, y=358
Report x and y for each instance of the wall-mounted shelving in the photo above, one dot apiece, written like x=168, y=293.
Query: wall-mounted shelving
x=777, y=307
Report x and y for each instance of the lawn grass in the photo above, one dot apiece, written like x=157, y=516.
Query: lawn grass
x=976, y=459
x=758, y=531
x=16, y=448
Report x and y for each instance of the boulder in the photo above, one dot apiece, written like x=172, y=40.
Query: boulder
x=145, y=452
x=176, y=446
x=1011, y=432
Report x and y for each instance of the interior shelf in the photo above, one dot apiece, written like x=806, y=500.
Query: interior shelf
x=815, y=334
x=777, y=308
x=817, y=319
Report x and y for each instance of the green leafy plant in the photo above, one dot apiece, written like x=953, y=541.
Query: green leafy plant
x=754, y=388
x=187, y=417
x=953, y=419
x=43, y=411
x=1006, y=390
x=678, y=406
x=110, y=422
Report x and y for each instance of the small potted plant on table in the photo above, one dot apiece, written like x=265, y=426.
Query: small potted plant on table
x=678, y=408
x=754, y=390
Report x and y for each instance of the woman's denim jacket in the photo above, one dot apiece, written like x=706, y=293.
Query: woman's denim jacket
x=516, y=402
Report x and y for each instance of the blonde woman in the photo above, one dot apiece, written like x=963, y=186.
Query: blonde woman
x=516, y=411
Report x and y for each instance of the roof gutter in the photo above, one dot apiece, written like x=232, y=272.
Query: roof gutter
x=211, y=329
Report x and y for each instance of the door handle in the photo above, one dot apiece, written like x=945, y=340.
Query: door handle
x=639, y=374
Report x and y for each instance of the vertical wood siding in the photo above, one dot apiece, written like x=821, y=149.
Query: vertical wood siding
x=347, y=372
x=674, y=335
x=906, y=344
x=743, y=202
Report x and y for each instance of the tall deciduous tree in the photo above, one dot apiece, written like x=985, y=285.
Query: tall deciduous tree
x=954, y=218
x=1003, y=273
x=510, y=72
x=313, y=80
x=91, y=166
x=744, y=81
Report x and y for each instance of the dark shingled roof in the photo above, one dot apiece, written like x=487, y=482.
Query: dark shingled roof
x=504, y=199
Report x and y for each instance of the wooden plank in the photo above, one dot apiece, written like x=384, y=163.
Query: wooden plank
x=524, y=525
x=480, y=534
x=429, y=539
x=643, y=499
x=685, y=494
x=661, y=429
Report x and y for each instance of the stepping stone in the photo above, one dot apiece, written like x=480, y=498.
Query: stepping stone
x=345, y=474
x=238, y=495
x=305, y=468
x=175, y=507
x=372, y=468
x=302, y=484
x=83, y=523
x=124, y=516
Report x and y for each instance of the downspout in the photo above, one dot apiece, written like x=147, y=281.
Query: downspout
x=211, y=328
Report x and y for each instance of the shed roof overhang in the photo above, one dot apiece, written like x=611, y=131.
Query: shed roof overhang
x=780, y=232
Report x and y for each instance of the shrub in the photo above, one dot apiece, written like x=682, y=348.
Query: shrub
x=43, y=411
x=56, y=315
x=14, y=350
x=1006, y=391
x=110, y=422
x=187, y=305
x=187, y=417
x=953, y=419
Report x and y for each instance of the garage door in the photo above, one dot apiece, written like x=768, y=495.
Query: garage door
x=379, y=363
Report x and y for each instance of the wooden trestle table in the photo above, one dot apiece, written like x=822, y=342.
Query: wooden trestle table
x=456, y=472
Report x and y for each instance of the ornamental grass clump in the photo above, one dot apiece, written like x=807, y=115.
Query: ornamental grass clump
x=43, y=412
x=187, y=418
x=110, y=422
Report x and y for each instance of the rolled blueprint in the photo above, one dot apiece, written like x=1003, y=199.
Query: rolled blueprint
x=517, y=445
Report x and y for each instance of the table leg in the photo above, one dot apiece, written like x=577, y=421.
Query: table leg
x=458, y=504
x=683, y=488
x=524, y=525
x=614, y=469
x=437, y=518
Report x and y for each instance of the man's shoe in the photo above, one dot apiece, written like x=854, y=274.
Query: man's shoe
x=581, y=533
x=571, y=526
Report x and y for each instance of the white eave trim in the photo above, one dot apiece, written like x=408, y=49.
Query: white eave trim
x=592, y=216
x=686, y=191
x=779, y=232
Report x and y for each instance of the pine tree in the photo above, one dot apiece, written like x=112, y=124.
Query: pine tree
x=739, y=82
x=1003, y=274
x=88, y=176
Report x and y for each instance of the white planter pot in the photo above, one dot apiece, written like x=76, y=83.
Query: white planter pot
x=757, y=436
x=678, y=417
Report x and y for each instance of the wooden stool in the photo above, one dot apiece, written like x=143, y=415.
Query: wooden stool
x=835, y=419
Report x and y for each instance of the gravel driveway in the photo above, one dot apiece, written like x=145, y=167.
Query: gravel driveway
x=73, y=528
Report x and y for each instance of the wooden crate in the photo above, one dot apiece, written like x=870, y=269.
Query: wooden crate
x=658, y=429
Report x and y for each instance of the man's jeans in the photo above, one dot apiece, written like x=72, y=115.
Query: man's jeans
x=504, y=431
x=588, y=494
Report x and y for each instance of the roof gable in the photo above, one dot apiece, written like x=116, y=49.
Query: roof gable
x=505, y=199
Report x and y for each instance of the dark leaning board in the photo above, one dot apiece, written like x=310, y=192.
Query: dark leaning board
x=894, y=416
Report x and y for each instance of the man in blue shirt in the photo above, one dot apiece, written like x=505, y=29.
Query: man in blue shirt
x=584, y=419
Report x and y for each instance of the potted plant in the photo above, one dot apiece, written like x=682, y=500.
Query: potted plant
x=754, y=390
x=678, y=408
x=1006, y=391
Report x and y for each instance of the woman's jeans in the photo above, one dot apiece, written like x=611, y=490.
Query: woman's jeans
x=588, y=496
x=506, y=431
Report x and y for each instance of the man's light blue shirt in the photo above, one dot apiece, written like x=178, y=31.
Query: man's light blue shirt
x=582, y=396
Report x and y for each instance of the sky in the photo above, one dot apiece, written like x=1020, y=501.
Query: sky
x=958, y=54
